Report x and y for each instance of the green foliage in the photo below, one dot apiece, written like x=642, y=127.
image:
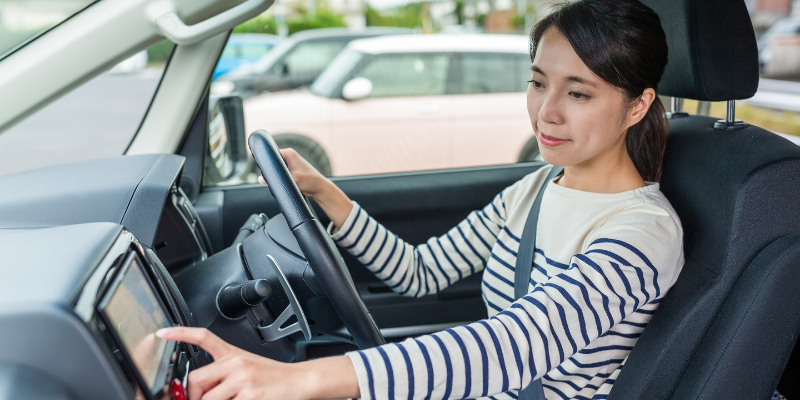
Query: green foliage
x=481, y=20
x=405, y=16
x=160, y=52
x=518, y=22
x=257, y=25
x=322, y=19
x=459, y=12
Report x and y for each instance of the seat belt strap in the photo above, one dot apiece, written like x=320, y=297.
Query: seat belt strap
x=522, y=270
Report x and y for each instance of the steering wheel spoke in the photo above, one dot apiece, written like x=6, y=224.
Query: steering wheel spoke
x=274, y=331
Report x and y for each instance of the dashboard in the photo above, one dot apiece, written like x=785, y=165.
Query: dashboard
x=86, y=251
x=96, y=256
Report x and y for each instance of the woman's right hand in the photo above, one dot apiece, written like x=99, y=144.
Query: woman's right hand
x=312, y=183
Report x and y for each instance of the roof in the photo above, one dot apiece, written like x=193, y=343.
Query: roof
x=443, y=42
x=346, y=32
x=254, y=38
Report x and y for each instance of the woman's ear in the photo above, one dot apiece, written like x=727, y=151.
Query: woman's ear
x=641, y=107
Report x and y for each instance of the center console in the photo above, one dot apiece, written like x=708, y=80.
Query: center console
x=131, y=312
x=84, y=327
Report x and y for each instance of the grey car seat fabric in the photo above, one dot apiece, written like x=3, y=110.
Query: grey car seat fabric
x=736, y=193
x=727, y=327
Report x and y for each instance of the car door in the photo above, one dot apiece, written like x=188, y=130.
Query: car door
x=413, y=205
x=490, y=109
x=405, y=124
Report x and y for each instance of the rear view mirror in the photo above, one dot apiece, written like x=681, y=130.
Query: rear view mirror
x=227, y=160
x=357, y=89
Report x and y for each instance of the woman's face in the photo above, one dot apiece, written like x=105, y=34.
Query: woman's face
x=577, y=117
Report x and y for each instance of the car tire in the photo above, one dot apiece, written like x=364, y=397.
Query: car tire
x=530, y=151
x=309, y=149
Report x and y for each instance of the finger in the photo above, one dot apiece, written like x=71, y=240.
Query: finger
x=261, y=180
x=206, y=378
x=224, y=391
x=202, y=337
x=288, y=156
x=195, y=390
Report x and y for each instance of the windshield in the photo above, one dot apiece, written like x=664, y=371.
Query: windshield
x=23, y=20
x=268, y=60
x=97, y=119
x=331, y=77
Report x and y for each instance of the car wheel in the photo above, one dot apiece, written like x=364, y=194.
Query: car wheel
x=530, y=151
x=309, y=149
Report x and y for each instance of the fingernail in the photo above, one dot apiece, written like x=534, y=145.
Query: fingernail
x=163, y=333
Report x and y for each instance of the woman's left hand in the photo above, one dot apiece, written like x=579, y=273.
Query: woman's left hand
x=239, y=375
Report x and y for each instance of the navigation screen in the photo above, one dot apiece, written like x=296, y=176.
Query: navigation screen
x=136, y=314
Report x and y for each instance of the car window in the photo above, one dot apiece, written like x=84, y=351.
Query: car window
x=465, y=108
x=489, y=73
x=96, y=120
x=329, y=80
x=407, y=74
x=230, y=51
x=310, y=57
x=253, y=51
x=782, y=28
x=23, y=20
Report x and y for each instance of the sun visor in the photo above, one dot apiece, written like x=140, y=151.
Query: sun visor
x=712, y=49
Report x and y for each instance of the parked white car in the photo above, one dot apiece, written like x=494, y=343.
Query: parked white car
x=779, y=49
x=408, y=102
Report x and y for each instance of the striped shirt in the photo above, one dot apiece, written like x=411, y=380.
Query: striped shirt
x=602, y=264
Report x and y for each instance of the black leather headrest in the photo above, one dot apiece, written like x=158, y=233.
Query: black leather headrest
x=712, y=49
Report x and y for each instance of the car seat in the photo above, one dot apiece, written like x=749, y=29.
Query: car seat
x=728, y=326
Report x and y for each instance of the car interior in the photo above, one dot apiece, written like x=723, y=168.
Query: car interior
x=254, y=264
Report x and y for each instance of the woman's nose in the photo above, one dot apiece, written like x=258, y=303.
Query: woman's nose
x=549, y=111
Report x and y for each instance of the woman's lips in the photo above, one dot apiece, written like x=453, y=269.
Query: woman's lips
x=551, y=141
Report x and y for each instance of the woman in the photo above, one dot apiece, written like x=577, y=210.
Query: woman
x=608, y=248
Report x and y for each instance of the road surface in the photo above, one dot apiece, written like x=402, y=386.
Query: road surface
x=94, y=121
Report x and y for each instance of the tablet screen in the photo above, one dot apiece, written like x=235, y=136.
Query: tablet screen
x=136, y=315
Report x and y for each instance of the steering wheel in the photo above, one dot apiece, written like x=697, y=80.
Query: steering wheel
x=317, y=245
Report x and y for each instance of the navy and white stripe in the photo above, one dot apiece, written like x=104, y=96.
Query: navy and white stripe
x=603, y=263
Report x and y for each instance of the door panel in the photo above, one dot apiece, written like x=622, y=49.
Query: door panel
x=415, y=206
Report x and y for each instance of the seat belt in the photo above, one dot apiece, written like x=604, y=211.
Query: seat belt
x=522, y=270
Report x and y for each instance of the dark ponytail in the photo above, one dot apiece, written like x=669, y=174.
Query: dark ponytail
x=622, y=42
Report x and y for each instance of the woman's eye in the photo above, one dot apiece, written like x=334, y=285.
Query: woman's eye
x=578, y=96
x=536, y=84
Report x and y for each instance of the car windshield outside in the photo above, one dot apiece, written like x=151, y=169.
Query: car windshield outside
x=414, y=111
x=98, y=119
x=24, y=20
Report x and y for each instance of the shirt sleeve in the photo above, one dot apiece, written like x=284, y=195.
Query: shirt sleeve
x=629, y=262
x=416, y=271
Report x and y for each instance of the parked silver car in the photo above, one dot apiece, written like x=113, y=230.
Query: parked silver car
x=295, y=62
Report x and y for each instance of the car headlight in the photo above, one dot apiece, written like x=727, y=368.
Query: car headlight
x=222, y=87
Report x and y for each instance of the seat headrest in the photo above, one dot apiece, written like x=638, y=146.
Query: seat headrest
x=712, y=49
